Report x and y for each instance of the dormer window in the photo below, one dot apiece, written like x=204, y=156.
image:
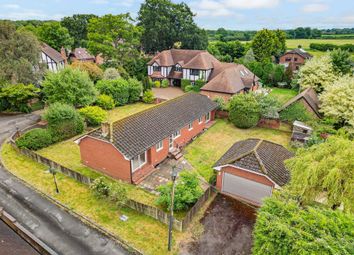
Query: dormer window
x=195, y=72
x=242, y=73
x=178, y=68
x=157, y=68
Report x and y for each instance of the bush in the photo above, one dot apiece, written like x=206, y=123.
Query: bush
x=147, y=83
x=135, y=90
x=330, y=47
x=164, y=83
x=187, y=192
x=111, y=74
x=100, y=187
x=148, y=97
x=106, y=102
x=94, y=115
x=198, y=84
x=222, y=106
x=268, y=105
x=185, y=83
x=35, y=139
x=189, y=88
x=118, y=194
x=244, y=110
x=63, y=121
x=93, y=70
x=69, y=86
x=296, y=111
x=118, y=89
x=157, y=84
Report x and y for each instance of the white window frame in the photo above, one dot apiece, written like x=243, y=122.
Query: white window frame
x=190, y=126
x=140, y=163
x=207, y=117
x=159, y=146
x=200, y=120
x=176, y=134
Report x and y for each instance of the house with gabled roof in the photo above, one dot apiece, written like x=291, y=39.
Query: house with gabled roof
x=53, y=59
x=294, y=58
x=251, y=169
x=222, y=79
x=130, y=148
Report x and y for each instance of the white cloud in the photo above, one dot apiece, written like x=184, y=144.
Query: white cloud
x=26, y=14
x=316, y=7
x=10, y=6
x=250, y=4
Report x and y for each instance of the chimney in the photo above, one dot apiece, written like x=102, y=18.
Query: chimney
x=63, y=54
x=107, y=130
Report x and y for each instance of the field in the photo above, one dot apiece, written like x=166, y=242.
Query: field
x=305, y=43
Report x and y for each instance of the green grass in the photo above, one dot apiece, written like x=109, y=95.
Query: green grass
x=140, y=231
x=283, y=95
x=305, y=43
x=210, y=146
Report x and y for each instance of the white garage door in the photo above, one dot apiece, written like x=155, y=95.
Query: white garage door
x=244, y=188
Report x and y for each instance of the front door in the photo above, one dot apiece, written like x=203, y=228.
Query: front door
x=170, y=143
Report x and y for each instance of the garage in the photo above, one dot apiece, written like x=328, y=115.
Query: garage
x=246, y=189
x=251, y=169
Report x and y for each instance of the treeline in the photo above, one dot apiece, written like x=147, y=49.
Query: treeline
x=330, y=47
x=225, y=35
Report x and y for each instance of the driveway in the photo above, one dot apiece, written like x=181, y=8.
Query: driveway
x=58, y=229
x=228, y=226
x=167, y=93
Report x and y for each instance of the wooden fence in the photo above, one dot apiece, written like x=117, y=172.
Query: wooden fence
x=148, y=210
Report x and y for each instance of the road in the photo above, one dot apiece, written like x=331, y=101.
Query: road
x=58, y=229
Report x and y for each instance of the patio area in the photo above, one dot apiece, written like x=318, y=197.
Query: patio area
x=167, y=93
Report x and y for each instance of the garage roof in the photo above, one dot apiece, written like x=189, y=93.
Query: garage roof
x=260, y=156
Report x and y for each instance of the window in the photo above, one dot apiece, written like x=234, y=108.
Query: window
x=138, y=161
x=157, y=68
x=178, y=68
x=207, y=117
x=159, y=146
x=246, y=71
x=288, y=59
x=195, y=72
x=295, y=59
x=190, y=126
x=176, y=134
x=200, y=120
x=242, y=73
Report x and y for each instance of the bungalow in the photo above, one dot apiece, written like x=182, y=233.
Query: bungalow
x=82, y=55
x=309, y=99
x=129, y=149
x=222, y=79
x=251, y=169
x=54, y=60
x=294, y=58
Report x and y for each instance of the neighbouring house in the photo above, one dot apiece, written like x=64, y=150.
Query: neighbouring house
x=294, y=58
x=82, y=55
x=222, y=79
x=301, y=132
x=309, y=99
x=251, y=169
x=130, y=148
x=53, y=59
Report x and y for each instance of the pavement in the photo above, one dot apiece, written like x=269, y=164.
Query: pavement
x=58, y=229
x=167, y=93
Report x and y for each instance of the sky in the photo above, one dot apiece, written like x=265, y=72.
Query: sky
x=210, y=14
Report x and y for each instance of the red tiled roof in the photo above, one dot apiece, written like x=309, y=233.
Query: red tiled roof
x=52, y=53
x=82, y=54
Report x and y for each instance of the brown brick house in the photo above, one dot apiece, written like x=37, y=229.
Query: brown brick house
x=294, y=58
x=222, y=79
x=251, y=169
x=130, y=148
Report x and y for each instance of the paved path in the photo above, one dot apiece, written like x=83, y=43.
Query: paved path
x=61, y=231
x=167, y=93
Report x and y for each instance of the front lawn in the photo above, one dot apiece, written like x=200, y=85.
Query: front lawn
x=140, y=231
x=210, y=146
x=283, y=95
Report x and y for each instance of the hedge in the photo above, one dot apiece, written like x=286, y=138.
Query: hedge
x=328, y=46
x=35, y=139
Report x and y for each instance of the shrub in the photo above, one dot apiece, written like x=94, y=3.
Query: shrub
x=100, y=187
x=198, y=84
x=69, y=86
x=118, y=194
x=222, y=106
x=268, y=105
x=118, y=89
x=185, y=83
x=187, y=192
x=147, y=83
x=135, y=90
x=164, y=83
x=157, y=84
x=105, y=101
x=296, y=111
x=148, y=97
x=189, y=88
x=63, y=121
x=93, y=70
x=35, y=139
x=244, y=110
x=94, y=115
x=111, y=74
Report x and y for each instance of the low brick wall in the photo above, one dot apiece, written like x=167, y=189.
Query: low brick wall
x=222, y=114
x=269, y=123
x=151, y=211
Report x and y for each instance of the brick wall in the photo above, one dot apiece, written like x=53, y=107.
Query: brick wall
x=294, y=64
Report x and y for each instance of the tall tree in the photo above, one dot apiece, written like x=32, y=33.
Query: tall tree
x=115, y=36
x=56, y=36
x=279, y=46
x=77, y=27
x=263, y=45
x=165, y=23
x=19, y=55
x=341, y=61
